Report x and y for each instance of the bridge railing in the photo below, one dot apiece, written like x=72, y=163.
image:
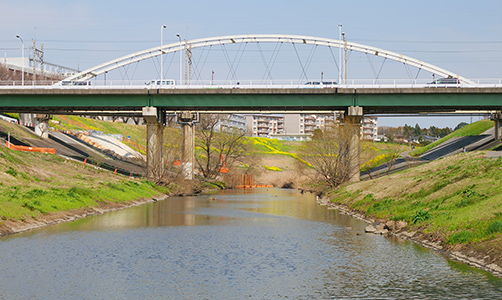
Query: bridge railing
x=216, y=84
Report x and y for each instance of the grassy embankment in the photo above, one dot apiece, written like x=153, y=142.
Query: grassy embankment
x=473, y=129
x=456, y=200
x=35, y=185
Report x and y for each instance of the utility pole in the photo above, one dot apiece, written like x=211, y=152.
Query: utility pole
x=34, y=76
x=42, y=62
x=38, y=56
x=188, y=63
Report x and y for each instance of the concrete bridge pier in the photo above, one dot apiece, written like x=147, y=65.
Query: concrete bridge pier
x=353, y=120
x=497, y=118
x=154, y=120
x=187, y=120
x=41, y=125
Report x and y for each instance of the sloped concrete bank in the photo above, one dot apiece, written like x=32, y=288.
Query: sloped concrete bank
x=467, y=256
x=11, y=227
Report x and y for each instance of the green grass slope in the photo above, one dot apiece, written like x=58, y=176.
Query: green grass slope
x=457, y=200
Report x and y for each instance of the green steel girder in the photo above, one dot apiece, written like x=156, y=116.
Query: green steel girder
x=376, y=101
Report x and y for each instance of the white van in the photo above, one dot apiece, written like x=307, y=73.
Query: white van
x=158, y=82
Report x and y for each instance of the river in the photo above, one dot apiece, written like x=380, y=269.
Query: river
x=260, y=244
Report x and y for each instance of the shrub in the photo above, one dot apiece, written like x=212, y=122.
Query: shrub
x=11, y=171
x=365, y=200
x=495, y=226
x=380, y=205
x=421, y=216
x=461, y=237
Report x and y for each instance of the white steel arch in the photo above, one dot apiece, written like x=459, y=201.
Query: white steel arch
x=261, y=38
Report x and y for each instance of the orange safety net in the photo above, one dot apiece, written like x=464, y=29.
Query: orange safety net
x=31, y=149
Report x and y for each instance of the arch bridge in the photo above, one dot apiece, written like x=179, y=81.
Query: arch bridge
x=261, y=38
x=153, y=102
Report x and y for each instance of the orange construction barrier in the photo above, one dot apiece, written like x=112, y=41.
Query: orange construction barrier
x=31, y=149
x=247, y=181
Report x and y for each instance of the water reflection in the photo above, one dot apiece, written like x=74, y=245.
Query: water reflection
x=266, y=244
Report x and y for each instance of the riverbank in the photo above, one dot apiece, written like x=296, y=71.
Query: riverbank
x=11, y=227
x=453, y=205
x=464, y=255
x=41, y=189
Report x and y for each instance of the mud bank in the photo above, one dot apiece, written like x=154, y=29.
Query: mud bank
x=459, y=253
x=11, y=227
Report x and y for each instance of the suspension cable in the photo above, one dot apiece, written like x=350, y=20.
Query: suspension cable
x=196, y=63
x=271, y=62
x=310, y=57
x=334, y=59
x=301, y=64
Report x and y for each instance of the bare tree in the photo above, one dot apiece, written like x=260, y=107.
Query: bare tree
x=393, y=154
x=330, y=153
x=217, y=149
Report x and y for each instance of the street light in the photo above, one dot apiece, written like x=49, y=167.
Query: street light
x=22, y=62
x=340, y=55
x=344, y=58
x=181, y=58
x=161, y=43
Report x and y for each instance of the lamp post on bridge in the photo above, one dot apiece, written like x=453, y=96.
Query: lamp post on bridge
x=181, y=59
x=340, y=54
x=22, y=62
x=344, y=58
x=161, y=43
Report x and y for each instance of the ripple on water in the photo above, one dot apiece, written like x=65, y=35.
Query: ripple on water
x=238, y=248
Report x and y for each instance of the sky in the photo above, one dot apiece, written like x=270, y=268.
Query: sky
x=464, y=37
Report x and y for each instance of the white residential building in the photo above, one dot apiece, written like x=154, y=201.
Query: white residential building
x=233, y=122
x=369, y=128
x=300, y=127
x=262, y=125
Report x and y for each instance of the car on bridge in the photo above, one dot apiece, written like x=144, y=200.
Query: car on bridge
x=75, y=83
x=446, y=81
x=162, y=82
x=321, y=84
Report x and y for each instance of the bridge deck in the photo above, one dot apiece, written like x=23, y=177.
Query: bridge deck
x=130, y=100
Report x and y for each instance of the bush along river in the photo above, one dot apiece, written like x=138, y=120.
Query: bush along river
x=259, y=244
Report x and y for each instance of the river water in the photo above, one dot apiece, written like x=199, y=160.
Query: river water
x=261, y=244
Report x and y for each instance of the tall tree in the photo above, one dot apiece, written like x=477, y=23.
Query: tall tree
x=217, y=149
x=329, y=157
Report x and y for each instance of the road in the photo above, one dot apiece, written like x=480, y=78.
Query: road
x=69, y=146
x=453, y=146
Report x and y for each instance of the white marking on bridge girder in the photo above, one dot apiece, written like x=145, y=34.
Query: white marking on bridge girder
x=261, y=38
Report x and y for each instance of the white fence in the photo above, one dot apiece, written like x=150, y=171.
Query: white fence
x=209, y=84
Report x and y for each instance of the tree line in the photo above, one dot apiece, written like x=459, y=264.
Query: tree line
x=416, y=131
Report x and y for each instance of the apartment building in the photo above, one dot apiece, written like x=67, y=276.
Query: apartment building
x=263, y=125
x=369, y=128
x=233, y=122
x=300, y=127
